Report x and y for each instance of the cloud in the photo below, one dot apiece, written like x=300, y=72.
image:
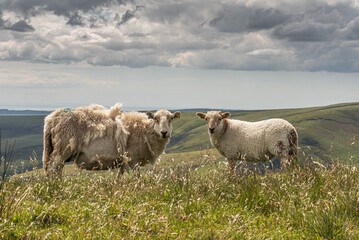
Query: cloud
x=266, y=18
x=75, y=19
x=241, y=35
x=306, y=31
x=1, y=20
x=352, y=30
x=21, y=26
x=127, y=16
x=242, y=18
x=37, y=79
x=34, y=7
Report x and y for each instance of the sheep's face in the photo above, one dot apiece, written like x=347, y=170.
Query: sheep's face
x=163, y=122
x=214, y=120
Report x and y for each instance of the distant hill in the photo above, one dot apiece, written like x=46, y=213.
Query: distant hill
x=22, y=112
x=323, y=131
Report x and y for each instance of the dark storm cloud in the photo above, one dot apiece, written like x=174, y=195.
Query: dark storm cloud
x=306, y=32
x=68, y=8
x=266, y=18
x=352, y=31
x=127, y=16
x=317, y=33
x=1, y=20
x=241, y=18
x=319, y=23
x=21, y=26
x=62, y=7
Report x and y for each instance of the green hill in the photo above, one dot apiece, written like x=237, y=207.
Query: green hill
x=318, y=128
x=26, y=130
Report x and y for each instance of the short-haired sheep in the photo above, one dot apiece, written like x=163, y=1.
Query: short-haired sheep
x=250, y=141
x=98, y=138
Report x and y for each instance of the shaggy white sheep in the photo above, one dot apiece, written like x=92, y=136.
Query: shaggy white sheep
x=97, y=138
x=149, y=135
x=250, y=141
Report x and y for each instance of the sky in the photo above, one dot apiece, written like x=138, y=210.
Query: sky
x=229, y=54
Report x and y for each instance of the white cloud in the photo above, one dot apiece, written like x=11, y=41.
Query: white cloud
x=13, y=76
x=267, y=52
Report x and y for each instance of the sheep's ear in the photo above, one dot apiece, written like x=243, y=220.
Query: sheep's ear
x=176, y=114
x=201, y=115
x=150, y=115
x=225, y=115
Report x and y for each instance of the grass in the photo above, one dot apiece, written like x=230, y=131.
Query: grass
x=9, y=200
x=187, y=196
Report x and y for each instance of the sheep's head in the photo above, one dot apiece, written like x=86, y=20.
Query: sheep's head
x=214, y=120
x=163, y=121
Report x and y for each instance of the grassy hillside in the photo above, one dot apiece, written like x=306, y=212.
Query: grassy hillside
x=27, y=132
x=186, y=196
x=318, y=129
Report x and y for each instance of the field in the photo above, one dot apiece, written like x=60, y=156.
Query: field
x=189, y=194
x=184, y=196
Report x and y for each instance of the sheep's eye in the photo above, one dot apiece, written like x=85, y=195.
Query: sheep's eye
x=172, y=118
x=219, y=119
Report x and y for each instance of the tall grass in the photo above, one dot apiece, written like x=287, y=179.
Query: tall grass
x=5, y=161
x=202, y=202
x=9, y=198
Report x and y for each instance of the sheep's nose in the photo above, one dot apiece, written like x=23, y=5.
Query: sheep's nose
x=211, y=130
x=164, y=133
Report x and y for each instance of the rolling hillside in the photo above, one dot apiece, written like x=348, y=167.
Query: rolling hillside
x=319, y=128
x=26, y=130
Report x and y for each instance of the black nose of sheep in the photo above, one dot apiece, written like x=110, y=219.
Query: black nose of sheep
x=164, y=134
x=211, y=130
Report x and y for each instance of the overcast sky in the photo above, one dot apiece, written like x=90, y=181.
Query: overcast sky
x=238, y=54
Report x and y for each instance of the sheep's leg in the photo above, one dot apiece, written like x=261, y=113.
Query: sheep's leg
x=119, y=174
x=280, y=150
x=46, y=166
x=134, y=166
x=285, y=159
x=57, y=162
x=56, y=166
x=121, y=170
x=231, y=165
x=137, y=171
